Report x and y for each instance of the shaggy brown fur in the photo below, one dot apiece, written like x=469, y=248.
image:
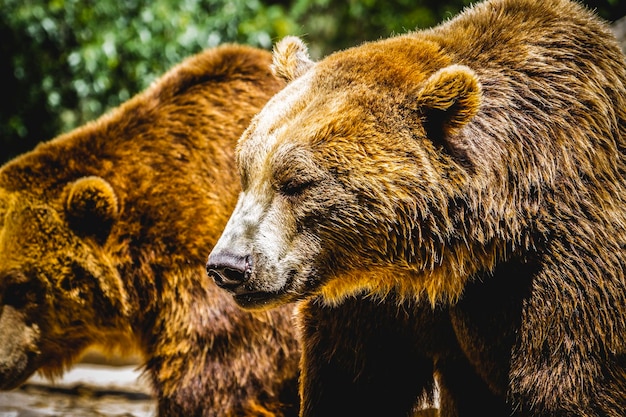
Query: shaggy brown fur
x=450, y=202
x=103, y=236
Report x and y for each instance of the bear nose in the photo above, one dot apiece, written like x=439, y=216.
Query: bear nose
x=229, y=270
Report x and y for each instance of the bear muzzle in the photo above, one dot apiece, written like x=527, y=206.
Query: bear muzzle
x=18, y=351
x=234, y=273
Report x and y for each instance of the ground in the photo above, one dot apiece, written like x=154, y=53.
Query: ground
x=87, y=390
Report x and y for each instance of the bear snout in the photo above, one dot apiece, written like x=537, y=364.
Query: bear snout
x=228, y=270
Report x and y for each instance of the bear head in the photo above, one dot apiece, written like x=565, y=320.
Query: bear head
x=360, y=148
x=51, y=241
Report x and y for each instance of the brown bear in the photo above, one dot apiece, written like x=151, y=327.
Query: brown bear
x=103, y=241
x=450, y=206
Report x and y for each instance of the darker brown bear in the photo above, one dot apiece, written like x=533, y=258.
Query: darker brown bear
x=450, y=205
x=103, y=236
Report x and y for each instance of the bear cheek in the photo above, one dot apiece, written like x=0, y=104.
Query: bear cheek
x=18, y=348
x=298, y=265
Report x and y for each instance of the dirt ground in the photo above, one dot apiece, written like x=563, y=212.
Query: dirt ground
x=87, y=390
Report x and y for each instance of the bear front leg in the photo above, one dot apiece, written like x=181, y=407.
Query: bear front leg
x=462, y=393
x=361, y=359
x=570, y=355
x=473, y=374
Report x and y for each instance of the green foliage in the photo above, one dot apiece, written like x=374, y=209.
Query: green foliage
x=338, y=25
x=68, y=61
x=65, y=62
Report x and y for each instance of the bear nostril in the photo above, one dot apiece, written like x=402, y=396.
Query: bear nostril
x=229, y=271
x=224, y=277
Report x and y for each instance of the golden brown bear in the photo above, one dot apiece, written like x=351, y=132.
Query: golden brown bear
x=103, y=239
x=450, y=203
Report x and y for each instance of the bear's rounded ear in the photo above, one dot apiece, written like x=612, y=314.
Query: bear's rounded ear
x=449, y=99
x=91, y=207
x=290, y=58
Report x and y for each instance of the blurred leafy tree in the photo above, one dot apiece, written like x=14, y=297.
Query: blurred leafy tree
x=337, y=25
x=64, y=62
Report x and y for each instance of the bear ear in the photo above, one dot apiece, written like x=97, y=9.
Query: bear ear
x=290, y=58
x=449, y=99
x=91, y=207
